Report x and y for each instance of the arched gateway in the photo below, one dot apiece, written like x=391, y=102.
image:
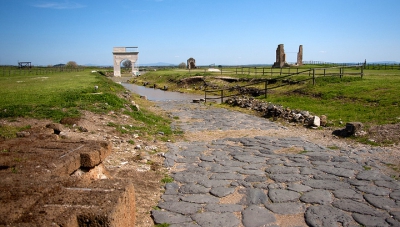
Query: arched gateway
x=125, y=53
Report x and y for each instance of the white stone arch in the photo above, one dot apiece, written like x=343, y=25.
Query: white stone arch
x=125, y=53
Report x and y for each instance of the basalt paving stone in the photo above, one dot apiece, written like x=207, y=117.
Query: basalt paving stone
x=180, y=207
x=221, y=191
x=224, y=169
x=348, y=194
x=318, y=156
x=340, y=172
x=326, y=184
x=318, y=163
x=288, y=177
x=381, y=202
x=349, y=165
x=221, y=208
x=249, y=159
x=395, y=195
x=317, y=196
x=252, y=172
x=372, y=175
x=191, y=188
x=326, y=215
x=254, y=196
x=169, y=217
x=388, y=184
x=254, y=178
x=200, y=198
x=282, y=169
x=171, y=198
x=261, y=185
x=282, y=195
x=184, y=177
x=298, y=187
x=297, y=164
x=286, y=208
x=214, y=183
x=340, y=159
x=254, y=166
x=356, y=182
x=358, y=207
x=368, y=220
x=231, y=163
x=185, y=224
x=227, y=176
x=211, y=219
x=375, y=190
x=187, y=160
x=276, y=161
x=171, y=189
x=395, y=214
x=244, y=184
x=326, y=176
x=255, y=216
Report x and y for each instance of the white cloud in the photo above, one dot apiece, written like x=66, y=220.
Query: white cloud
x=59, y=5
x=322, y=51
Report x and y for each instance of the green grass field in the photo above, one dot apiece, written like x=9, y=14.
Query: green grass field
x=66, y=94
x=373, y=99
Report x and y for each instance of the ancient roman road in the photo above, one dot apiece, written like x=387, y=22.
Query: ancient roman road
x=265, y=180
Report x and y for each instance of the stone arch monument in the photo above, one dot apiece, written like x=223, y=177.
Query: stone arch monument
x=125, y=53
x=191, y=63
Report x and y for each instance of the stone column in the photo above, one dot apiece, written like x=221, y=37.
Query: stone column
x=300, y=55
x=280, y=57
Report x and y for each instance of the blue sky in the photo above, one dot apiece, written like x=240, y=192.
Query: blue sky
x=227, y=32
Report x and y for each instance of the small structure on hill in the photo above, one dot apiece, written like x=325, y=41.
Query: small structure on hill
x=125, y=53
x=191, y=63
x=24, y=64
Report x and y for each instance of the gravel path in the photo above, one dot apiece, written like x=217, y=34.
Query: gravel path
x=266, y=180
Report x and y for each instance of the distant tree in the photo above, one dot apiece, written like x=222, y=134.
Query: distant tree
x=182, y=65
x=71, y=64
x=127, y=64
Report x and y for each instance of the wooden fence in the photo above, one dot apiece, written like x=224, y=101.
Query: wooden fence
x=286, y=79
x=12, y=71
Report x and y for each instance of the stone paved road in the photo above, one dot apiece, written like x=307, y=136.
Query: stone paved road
x=249, y=181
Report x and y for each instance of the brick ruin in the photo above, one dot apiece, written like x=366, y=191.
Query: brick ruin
x=281, y=57
x=300, y=56
x=191, y=63
x=46, y=181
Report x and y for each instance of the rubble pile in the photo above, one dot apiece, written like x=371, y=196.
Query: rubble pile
x=270, y=110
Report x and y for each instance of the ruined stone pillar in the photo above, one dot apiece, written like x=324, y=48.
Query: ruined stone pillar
x=300, y=55
x=280, y=57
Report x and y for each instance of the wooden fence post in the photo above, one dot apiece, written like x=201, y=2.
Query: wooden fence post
x=205, y=96
x=313, y=76
x=222, y=96
x=362, y=72
x=280, y=74
x=324, y=72
x=266, y=88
